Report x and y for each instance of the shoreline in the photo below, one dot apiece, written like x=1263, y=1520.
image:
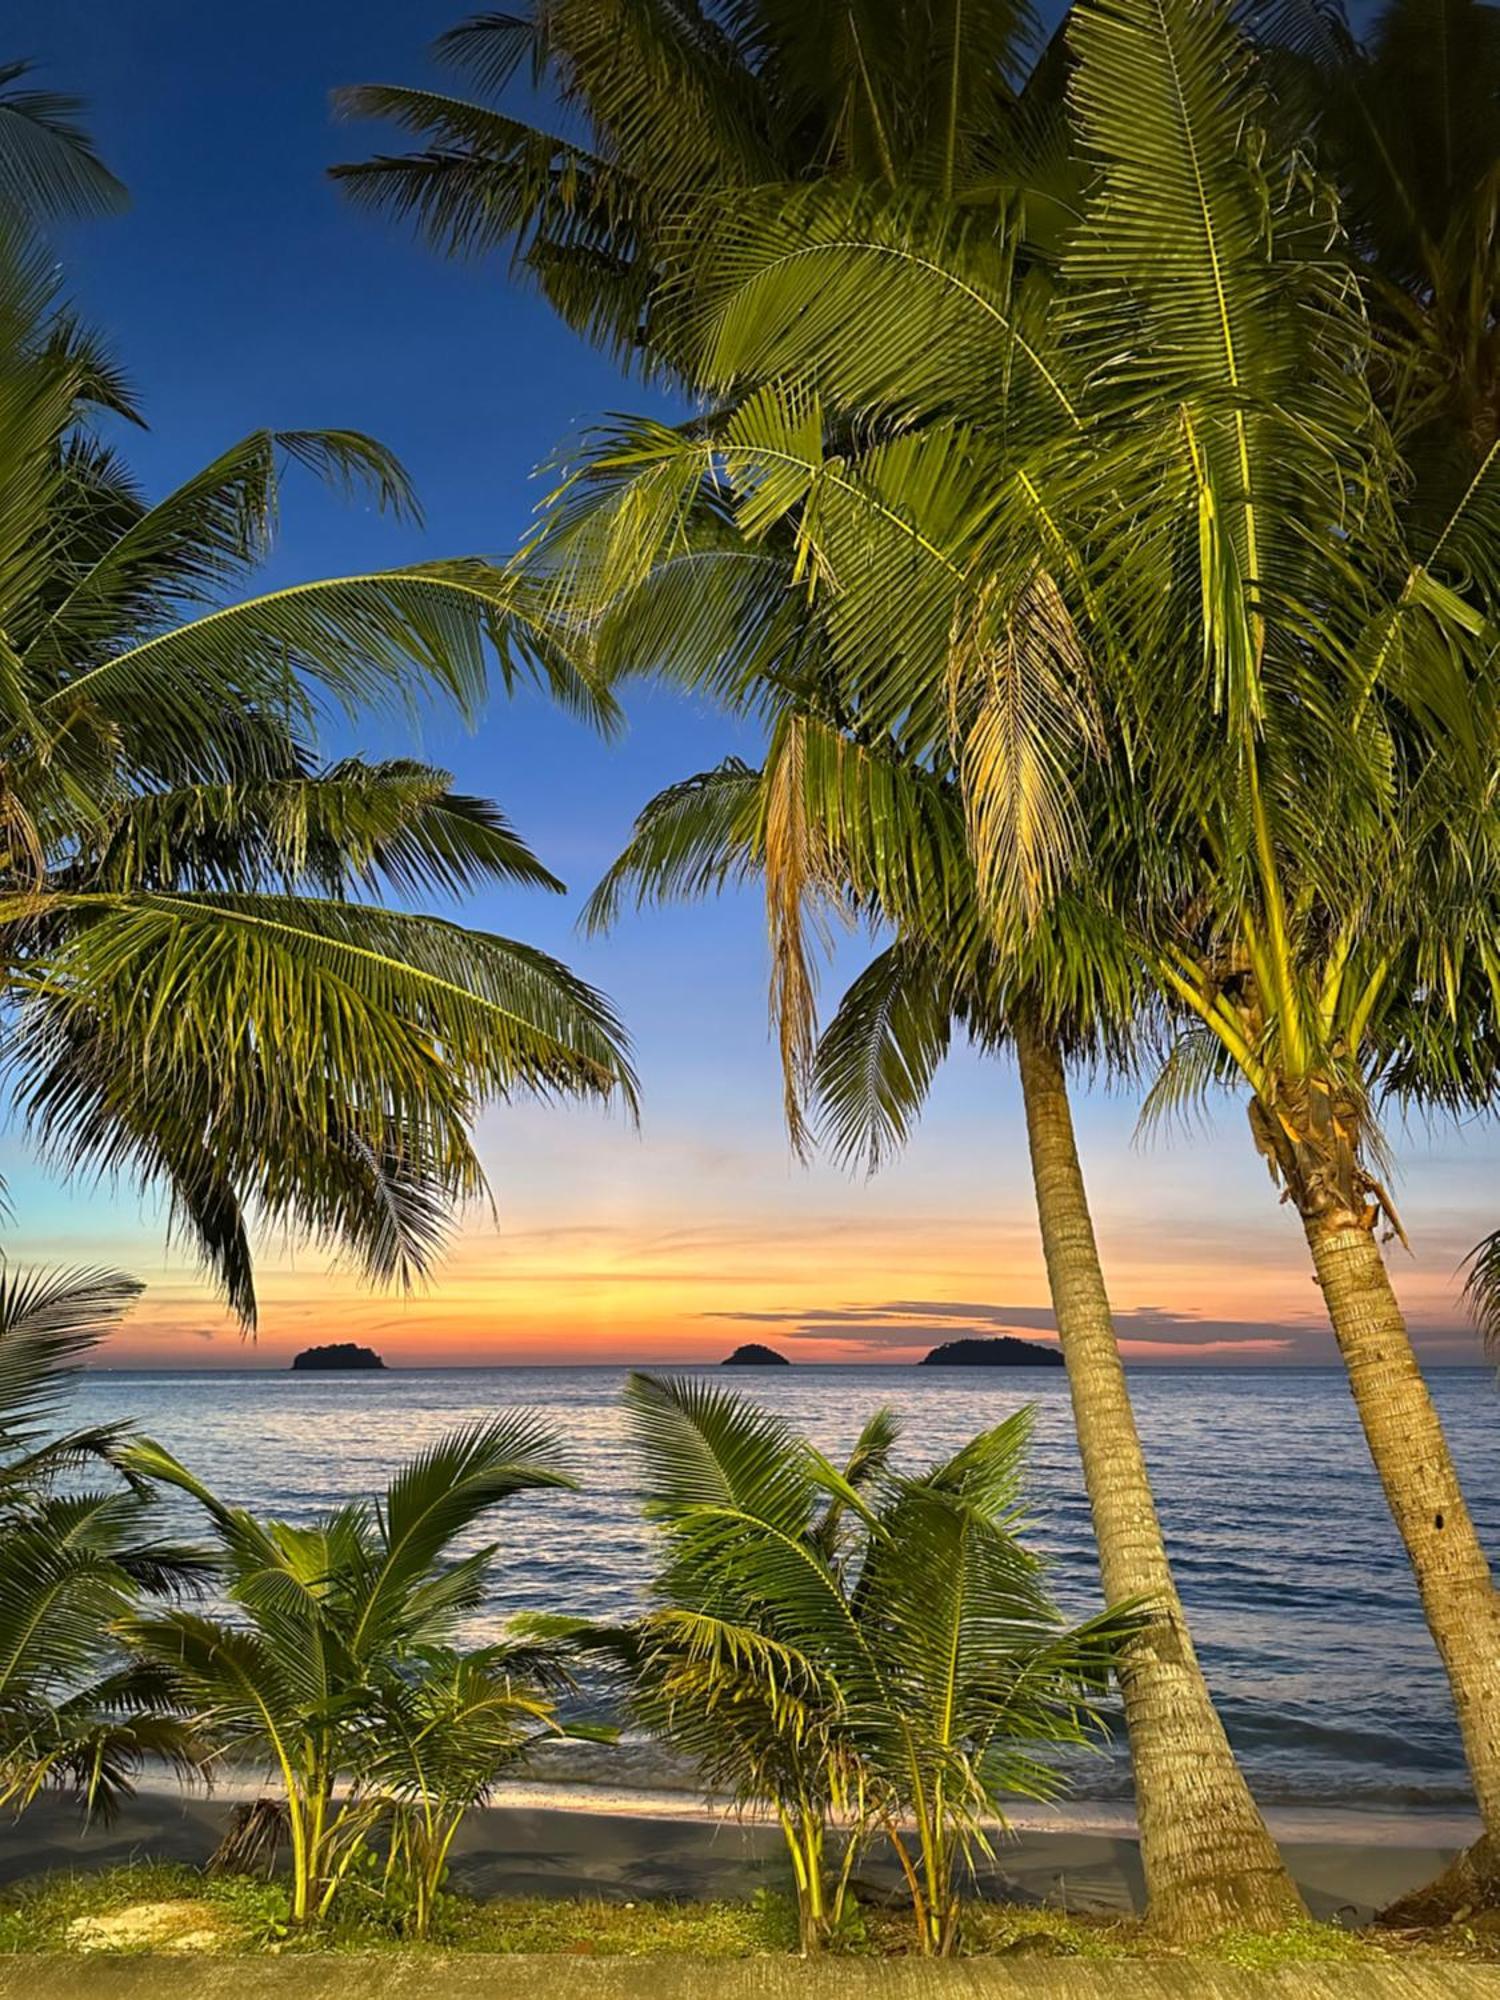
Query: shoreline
x=1328, y=1824
x=613, y=1844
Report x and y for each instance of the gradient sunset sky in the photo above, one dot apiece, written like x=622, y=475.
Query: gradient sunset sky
x=240, y=291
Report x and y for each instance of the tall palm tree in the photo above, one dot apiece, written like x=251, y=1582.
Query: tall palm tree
x=871, y=94
x=1341, y=963
x=78, y=1547
x=1408, y=121
x=200, y=989
x=888, y=841
x=1220, y=531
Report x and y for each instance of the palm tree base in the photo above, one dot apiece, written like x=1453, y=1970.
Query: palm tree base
x=1469, y=1884
x=1260, y=1899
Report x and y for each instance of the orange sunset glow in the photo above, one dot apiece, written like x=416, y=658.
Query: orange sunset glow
x=620, y=1248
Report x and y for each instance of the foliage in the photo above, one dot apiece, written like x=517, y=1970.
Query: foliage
x=1482, y=1288
x=443, y=1735
x=655, y=109
x=854, y=1647
x=77, y=1548
x=1300, y=1944
x=1116, y=540
x=201, y=989
x=337, y=1674
x=245, y=1917
x=48, y=164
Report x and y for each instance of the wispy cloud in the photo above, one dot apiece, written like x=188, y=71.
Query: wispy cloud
x=890, y=1329
x=898, y=1325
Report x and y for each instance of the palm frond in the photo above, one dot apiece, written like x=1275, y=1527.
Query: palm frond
x=1482, y=1288
x=49, y=167
x=877, y=1057
x=48, y=1321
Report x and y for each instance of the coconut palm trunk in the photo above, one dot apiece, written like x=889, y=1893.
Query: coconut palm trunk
x=1209, y=1861
x=1421, y=1488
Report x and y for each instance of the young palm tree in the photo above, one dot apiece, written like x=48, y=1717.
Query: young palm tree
x=443, y=1732
x=854, y=1644
x=340, y=1636
x=710, y=1671
x=201, y=990
x=75, y=1556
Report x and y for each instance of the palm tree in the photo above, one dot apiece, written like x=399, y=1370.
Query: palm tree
x=710, y=1672
x=854, y=1644
x=876, y=95
x=443, y=1733
x=48, y=164
x=1331, y=964
x=341, y=1635
x=77, y=1549
x=1217, y=530
x=661, y=106
x=890, y=843
x=200, y=989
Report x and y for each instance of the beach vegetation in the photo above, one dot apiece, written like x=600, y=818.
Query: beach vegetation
x=167, y=1908
x=870, y=1654
x=80, y=1544
x=336, y=1674
x=600, y=214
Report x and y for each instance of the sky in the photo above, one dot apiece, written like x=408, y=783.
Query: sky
x=241, y=291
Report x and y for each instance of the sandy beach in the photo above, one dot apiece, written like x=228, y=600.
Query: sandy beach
x=627, y=1846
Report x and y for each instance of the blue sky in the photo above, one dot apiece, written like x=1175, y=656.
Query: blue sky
x=240, y=291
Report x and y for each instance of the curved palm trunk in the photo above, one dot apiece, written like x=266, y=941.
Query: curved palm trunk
x=1421, y=1488
x=1209, y=1861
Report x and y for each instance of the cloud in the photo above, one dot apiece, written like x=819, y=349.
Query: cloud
x=905, y=1323
x=1147, y=1332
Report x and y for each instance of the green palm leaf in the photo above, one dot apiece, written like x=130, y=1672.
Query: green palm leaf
x=48, y=165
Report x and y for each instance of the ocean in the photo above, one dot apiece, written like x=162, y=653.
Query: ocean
x=1296, y=1585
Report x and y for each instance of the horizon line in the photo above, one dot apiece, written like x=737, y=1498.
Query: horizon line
x=960, y=1368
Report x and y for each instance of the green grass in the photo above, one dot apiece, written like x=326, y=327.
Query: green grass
x=247, y=1915
x=1299, y=1944
x=237, y=1914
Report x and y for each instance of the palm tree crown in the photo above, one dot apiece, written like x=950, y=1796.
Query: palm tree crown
x=202, y=989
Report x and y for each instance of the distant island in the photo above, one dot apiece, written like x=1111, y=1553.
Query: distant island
x=1004, y=1351
x=752, y=1355
x=340, y=1354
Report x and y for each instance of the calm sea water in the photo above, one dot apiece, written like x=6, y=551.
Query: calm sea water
x=1296, y=1584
